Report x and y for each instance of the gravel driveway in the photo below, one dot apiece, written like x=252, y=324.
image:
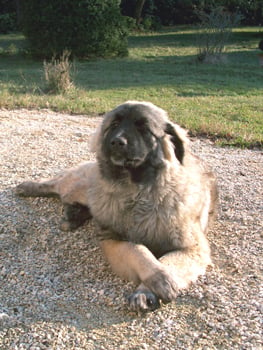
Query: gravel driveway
x=56, y=291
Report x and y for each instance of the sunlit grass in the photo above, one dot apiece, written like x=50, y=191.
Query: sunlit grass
x=223, y=101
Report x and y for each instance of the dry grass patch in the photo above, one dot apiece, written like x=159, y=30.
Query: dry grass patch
x=58, y=73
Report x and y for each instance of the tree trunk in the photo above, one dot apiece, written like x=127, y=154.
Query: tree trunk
x=138, y=11
x=18, y=12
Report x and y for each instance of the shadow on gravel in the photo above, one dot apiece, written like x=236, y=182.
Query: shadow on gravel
x=58, y=293
x=47, y=274
x=57, y=289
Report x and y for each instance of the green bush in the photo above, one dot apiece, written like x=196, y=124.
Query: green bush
x=85, y=27
x=7, y=23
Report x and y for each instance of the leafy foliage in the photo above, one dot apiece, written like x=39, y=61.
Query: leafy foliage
x=8, y=20
x=172, y=12
x=85, y=27
x=7, y=23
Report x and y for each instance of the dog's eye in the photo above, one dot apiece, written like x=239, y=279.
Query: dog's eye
x=116, y=122
x=139, y=123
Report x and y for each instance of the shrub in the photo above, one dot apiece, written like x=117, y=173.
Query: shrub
x=215, y=29
x=58, y=73
x=7, y=23
x=85, y=27
x=151, y=23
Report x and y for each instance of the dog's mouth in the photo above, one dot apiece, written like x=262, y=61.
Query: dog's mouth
x=128, y=163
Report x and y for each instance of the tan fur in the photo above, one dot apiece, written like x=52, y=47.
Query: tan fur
x=174, y=208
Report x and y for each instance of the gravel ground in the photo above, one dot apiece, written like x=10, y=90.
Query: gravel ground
x=56, y=290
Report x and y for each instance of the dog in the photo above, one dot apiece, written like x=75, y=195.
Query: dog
x=152, y=201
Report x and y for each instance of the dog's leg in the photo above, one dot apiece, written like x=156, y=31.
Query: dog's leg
x=135, y=262
x=185, y=269
x=185, y=266
x=75, y=215
x=158, y=279
x=71, y=194
x=47, y=188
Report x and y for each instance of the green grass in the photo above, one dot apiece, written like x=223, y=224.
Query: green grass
x=223, y=101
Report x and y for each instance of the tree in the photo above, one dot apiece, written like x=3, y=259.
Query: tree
x=138, y=11
x=7, y=16
x=18, y=12
x=85, y=27
x=172, y=12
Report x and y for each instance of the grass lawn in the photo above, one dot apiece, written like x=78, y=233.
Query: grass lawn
x=224, y=101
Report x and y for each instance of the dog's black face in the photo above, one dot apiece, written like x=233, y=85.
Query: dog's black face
x=132, y=142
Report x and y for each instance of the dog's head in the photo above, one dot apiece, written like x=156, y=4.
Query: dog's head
x=137, y=138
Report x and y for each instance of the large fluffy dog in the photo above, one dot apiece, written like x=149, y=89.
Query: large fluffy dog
x=151, y=199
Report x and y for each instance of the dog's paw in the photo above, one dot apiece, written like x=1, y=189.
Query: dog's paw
x=163, y=284
x=26, y=189
x=143, y=300
x=65, y=225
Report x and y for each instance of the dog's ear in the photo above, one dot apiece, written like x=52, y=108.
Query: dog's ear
x=94, y=140
x=178, y=138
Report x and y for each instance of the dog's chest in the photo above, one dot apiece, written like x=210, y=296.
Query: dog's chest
x=140, y=217
x=113, y=209
x=154, y=222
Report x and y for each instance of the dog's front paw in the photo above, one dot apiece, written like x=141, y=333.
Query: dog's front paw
x=143, y=300
x=163, y=284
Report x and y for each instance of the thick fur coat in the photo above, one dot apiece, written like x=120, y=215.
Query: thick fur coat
x=151, y=199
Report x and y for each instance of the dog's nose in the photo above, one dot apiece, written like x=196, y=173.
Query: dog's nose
x=118, y=142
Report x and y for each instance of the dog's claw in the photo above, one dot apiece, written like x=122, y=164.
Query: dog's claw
x=143, y=301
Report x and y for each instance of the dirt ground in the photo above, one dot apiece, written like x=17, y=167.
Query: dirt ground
x=56, y=291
